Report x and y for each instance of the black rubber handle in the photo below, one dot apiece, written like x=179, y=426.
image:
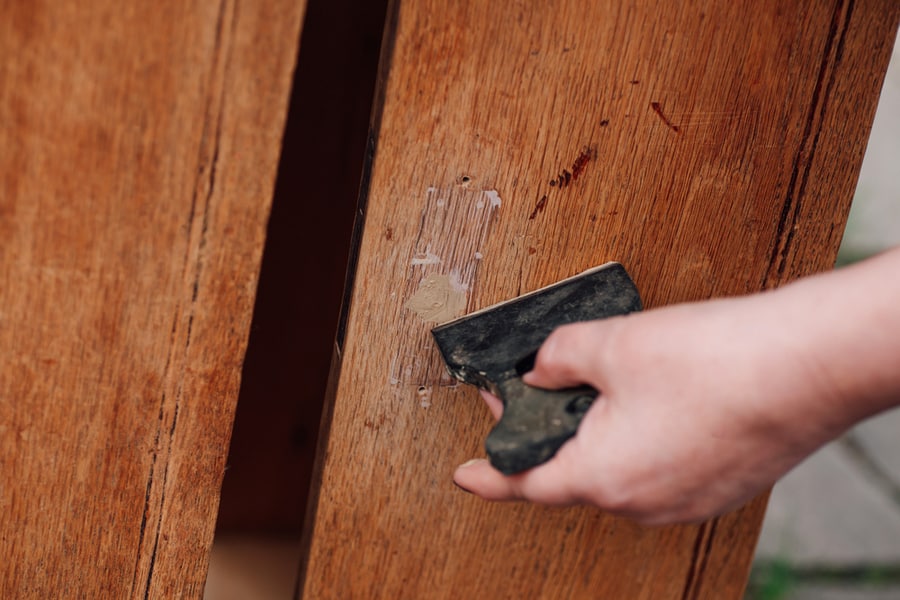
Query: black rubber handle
x=535, y=423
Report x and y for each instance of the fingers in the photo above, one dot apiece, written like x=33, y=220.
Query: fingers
x=549, y=484
x=571, y=355
x=545, y=484
x=494, y=404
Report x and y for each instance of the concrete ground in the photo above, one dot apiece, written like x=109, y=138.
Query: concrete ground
x=832, y=531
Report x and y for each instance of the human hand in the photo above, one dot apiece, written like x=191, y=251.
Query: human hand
x=702, y=406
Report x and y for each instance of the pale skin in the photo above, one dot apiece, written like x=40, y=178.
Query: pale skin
x=705, y=405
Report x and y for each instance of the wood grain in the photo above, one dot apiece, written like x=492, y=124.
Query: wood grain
x=725, y=139
x=139, y=151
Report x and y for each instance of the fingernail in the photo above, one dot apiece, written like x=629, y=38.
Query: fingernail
x=461, y=487
x=471, y=462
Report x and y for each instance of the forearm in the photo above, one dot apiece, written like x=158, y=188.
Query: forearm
x=848, y=324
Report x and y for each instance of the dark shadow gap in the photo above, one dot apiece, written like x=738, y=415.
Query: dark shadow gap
x=302, y=276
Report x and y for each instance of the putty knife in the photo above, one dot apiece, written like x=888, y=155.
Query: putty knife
x=493, y=347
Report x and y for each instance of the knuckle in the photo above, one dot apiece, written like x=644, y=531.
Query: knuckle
x=617, y=500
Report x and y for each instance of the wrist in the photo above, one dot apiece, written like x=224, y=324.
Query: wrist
x=846, y=328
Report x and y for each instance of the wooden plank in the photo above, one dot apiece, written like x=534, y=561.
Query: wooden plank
x=140, y=144
x=724, y=140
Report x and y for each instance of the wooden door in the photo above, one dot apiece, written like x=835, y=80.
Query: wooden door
x=722, y=142
x=138, y=148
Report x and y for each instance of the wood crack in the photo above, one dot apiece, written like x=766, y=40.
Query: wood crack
x=148, y=497
x=699, y=560
x=806, y=150
x=206, y=177
x=162, y=501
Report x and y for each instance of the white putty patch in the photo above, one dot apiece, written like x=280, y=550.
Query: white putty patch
x=439, y=298
x=425, y=258
x=440, y=195
x=456, y=284
x=479, y=256
x=493, y=197
x=391, y=377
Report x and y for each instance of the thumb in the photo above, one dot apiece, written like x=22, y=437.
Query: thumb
x=545, y=484
x=571, y=356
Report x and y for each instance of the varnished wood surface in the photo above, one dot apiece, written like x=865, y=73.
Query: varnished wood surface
x=724, y=142
x=138, y=148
